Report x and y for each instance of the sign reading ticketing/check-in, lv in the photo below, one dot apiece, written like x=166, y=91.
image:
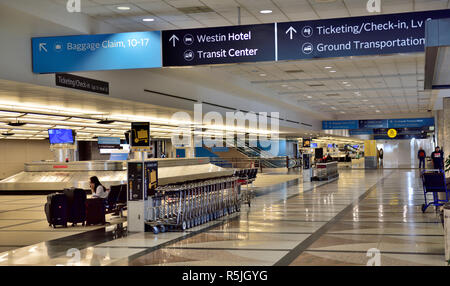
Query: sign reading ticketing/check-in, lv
x=234, y=44
x=356, y=36
x=97, y=52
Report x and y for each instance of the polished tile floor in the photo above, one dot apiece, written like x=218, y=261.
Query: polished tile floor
x=290, y=223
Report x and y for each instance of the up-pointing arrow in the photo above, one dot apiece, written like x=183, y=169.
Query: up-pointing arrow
x=290, y=31
x=173, y=39
x=42, y=47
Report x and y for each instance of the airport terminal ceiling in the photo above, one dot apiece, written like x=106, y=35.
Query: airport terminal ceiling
x=334, y=88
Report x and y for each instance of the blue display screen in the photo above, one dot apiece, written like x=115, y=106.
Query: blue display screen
x=60, y=136
x=330, y=145
x=313, y=145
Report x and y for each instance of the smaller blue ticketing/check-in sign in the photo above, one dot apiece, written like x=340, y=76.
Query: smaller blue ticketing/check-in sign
x=97, y=52
x=355, y=36
x=221, y=45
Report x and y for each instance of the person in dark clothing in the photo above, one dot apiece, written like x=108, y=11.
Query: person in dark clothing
x=421, y=155
x=438, y=158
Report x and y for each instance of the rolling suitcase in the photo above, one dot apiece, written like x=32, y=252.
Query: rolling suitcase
x=76, y=204
x=56, y=210
x=95, y=211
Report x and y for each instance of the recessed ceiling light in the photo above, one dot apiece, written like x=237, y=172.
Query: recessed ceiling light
x=262, y=74
x=284, y=85
x=343, y=112
x=332, y=71
x=265, y=11
x=377, y=111
x=345, y=82
x=123, y=8
x=365, y=100
x=309, y=96
x=148, y=20
x=328, y=67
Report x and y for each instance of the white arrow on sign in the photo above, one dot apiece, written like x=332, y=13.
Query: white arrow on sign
x=42, y=47
x=291, y=30
x=174, y=39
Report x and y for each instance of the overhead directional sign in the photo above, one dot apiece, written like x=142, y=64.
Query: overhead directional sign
x=97, y=52
x=222, y=45
x=342, y=124
x=365, y=125
x=356, y=36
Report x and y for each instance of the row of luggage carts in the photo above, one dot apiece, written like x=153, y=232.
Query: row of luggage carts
x=188, y=205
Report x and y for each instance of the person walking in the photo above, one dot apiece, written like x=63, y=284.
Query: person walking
x=438, y=159
x=421, y=155
x=381, y=154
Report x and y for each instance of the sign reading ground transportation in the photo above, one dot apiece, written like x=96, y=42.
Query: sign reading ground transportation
x=356, y=36
x=81, y=83
x=97, y=52
x=222, y=45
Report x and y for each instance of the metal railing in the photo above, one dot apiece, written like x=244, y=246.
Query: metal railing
x=256, y=162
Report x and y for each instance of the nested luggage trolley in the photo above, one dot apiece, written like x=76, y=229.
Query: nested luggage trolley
x=187, y=205
x=246, y=177
x=434, y=182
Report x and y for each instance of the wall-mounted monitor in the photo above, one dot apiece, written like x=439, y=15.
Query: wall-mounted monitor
x=313, y=145
x=61, y=136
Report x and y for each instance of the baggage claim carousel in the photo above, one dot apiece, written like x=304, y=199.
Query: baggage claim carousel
x=47, y=177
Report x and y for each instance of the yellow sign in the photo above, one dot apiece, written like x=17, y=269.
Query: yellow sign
x=392, y=133
x=370, y=148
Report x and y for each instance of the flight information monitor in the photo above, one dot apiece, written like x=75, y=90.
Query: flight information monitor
x=60, y=136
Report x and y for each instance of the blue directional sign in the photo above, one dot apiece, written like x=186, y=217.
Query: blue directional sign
x=361, y=132
x=410, y=122
x=342, y=124
x=222, y=45
x=97, y=52
x=374, y=123
x=356, y=36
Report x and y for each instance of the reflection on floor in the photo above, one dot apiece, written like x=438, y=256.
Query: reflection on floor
x=292, y=223
x=23, y=223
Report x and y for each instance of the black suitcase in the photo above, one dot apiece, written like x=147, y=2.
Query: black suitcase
x=76, y=204
x=95, y=211
x=56, y=210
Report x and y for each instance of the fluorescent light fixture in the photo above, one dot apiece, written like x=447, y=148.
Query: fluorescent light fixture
x=328, y=67
x=123, y=8
x=148, y=20
x=344, y=82
x=262, y=74
x=309, y=96
x=377, y=111
x=333, y=71
x=265, y=11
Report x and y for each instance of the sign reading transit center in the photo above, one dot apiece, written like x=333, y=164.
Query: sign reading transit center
x=355, y=36
x=234, y=44
x=97, y=52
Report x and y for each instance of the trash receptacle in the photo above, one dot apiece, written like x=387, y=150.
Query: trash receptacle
x=447, y=231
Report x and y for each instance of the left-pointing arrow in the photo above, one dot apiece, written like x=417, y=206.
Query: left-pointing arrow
x=42, y=47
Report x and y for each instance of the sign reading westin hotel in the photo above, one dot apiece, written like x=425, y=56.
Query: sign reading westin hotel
x=234, y=44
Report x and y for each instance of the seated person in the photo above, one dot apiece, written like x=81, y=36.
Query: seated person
x=98, y=190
